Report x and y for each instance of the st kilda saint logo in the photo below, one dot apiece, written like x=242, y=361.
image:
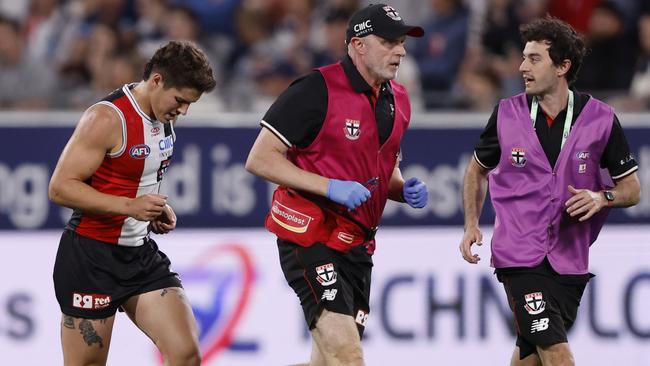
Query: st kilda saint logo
x=326, y=275
x=392, y=13
x=352, y=129
x=518, y=157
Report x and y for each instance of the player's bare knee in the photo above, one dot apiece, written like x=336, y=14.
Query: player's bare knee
x=345, y=351
x=344, y=354
x=185, y=354
x=556, y=355
x=350, y=355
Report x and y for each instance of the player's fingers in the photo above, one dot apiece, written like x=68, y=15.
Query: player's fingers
x=465, y=250
x=579, y=210
x=157, y=199
x=156, y=227
x=157, y=195
x=589, y=214
x=572, y=200
x=171, y=216
x=576, y=205
x=156, y=208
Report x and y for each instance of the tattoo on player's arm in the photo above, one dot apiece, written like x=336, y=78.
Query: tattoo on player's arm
x=163, y=293
x=89, y=333
x=68, y=321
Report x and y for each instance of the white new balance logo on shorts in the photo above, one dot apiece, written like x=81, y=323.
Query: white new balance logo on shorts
x=329, y=294
x=539, y=325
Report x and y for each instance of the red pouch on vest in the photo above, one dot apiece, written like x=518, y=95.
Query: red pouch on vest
x=345, y=234
x=296, y=219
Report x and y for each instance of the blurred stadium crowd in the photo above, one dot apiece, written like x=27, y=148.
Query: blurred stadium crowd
x=67, y=54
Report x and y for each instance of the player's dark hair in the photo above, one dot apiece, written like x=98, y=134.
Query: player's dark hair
x=182, y=65
x=565, y=43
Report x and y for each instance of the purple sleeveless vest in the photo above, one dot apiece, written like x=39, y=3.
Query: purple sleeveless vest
x=347, y=146
x=528, y=195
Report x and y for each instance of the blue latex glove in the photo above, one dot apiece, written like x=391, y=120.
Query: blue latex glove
x=348, y=193
x=415, y=193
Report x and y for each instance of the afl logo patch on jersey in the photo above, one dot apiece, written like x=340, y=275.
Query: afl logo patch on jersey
x=140, y=151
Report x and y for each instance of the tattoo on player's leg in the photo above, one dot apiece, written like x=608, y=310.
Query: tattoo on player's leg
x=179, y=292
x=89, y=333
x=163, y=293
x=68, y=321
x=182, y=296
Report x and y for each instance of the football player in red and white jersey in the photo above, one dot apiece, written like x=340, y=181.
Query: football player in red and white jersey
x=109, y=173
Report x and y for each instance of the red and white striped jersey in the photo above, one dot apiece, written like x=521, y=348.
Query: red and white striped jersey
x=136, y=169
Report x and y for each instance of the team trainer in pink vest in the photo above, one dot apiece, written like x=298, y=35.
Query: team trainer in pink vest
x=331, y=142
x=556, y=161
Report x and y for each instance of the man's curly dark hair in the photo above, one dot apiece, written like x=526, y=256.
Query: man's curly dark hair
x=564, y=42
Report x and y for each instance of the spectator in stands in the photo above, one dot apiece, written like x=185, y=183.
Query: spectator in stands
x=208, y=11
x=639, y=95
x=336, y=22
x=25, y=83
x=280, y=53
x=440, y=54
x=501, y=46
x=151, y=16
x=641, y=81
x=609, y=65
x=575, y=12
x=476, y=90
x=87, y=70
x=44, y=24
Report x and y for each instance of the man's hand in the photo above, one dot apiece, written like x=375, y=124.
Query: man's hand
x=164, y=223
x=147, y=207
x=584, y=202
x=415, y=193
x=348, y=193
x=472, y=235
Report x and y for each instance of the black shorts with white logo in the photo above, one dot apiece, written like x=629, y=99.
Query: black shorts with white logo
x=544, y=304
x=324, y=278
x=92, y=279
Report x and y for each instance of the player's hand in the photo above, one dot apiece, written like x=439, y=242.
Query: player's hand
x=415, y=193
x=584, y=202
x=348, y=193
x=147, y=207
x=164, y=223
x=472, y=235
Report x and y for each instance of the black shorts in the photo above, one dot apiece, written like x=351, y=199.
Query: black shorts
x=324, y=278
x=92, y=279
x=544, y=308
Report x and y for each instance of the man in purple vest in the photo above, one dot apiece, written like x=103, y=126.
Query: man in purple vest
x=334, y=137
x=544, y=153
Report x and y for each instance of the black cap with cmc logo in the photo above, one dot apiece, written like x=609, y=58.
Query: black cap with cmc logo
x=381, y=20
